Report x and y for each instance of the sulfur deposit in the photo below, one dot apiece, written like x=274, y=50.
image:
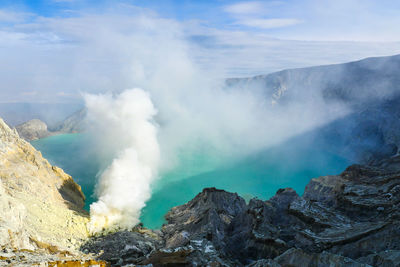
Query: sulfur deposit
x=41, y=206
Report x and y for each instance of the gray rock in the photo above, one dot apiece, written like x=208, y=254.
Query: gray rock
x=32, y=130
x=264, y=263
x=122, y=247
x=297, y=257
x=387, y=258
x=207, y=216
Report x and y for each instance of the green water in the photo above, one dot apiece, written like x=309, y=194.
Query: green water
x=260, y=175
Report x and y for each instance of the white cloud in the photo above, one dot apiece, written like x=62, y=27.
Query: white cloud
x=64, y=1
x=29, y=93
x=12, y=16
x=98, y=52
x=241, y=53
x=257, y=15
x=268, y=23
x=245, y=8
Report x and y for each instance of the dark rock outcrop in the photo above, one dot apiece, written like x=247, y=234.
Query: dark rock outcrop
x=124, y=247
x=297, y=257
x=207, y=216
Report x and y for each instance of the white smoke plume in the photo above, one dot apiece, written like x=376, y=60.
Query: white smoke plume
x=194, y=110
x=125, y=123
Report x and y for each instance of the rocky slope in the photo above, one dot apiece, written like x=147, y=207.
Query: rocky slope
x=41, y=207
x=351, y=219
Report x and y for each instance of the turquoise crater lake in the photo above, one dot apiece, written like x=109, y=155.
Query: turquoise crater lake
x=259, y=175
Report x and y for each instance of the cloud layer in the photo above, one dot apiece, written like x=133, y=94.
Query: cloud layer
x=55, y=58
x=258, y=14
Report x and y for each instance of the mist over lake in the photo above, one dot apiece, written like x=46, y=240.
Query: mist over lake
x=259, y=175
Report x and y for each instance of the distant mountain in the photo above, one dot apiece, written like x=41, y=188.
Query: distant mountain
x=369, y=89
x=37, y=129
x=50, y=113
x=33, y=129
x=353, y=83
x=73, y=123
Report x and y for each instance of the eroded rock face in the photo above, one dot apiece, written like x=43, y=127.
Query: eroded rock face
x=124, y=247
x=41, y=207
x=207, y=216
x=297, y=257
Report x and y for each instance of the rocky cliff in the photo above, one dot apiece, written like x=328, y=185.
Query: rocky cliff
x=41, y=207
x=351, y=219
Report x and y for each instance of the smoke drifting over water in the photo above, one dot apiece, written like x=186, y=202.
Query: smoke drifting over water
x=125, y=124
x=195, y=110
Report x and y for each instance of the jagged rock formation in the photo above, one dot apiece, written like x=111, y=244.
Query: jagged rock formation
x=124, y=247
x=33, y=129
x=41, y=207
x=351, y=219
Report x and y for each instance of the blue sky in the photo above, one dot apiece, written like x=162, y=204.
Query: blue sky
x=59, y=48
x=355, y=20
